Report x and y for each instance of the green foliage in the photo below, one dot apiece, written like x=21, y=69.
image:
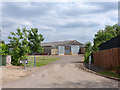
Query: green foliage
x=3, y=42
x=88, y=52
x=102, y=36
x=23, y=42
x=110, y=73
x=35, y=40
x=41, y=60
x=4, y=49
x=20, y=46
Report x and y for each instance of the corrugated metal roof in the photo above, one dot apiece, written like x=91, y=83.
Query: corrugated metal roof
x=58, y=43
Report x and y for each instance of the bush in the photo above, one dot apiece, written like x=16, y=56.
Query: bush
x=86, y=57
x=4, y=49
x=88, y=52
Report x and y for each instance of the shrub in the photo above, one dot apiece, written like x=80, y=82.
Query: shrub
x=88, y=52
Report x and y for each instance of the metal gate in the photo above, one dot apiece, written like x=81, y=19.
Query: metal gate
x=29, y=62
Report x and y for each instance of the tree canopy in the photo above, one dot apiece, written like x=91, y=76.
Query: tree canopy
x=35, y=40
x=100, y=37
x=19, y=42
x=4, y=49
x=23, y=42
x=104, y=35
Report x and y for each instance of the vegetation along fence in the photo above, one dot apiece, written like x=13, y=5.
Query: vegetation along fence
x=107, y=59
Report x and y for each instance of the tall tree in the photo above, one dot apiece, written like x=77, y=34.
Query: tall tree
x=104, y=35
x=117, y=28
x=19, y=43
x=35, y=40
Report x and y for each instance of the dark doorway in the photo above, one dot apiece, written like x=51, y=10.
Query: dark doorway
x=67, y=50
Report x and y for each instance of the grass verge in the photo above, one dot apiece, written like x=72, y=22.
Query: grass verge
x=110, y=73
x=40, y=60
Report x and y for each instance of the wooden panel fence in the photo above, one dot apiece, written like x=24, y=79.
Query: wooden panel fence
x=107, y=59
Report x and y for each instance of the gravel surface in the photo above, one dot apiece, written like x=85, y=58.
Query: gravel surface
x=63, y=73
x=12, y=73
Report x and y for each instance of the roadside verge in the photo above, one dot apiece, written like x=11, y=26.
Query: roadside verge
x=82, y=66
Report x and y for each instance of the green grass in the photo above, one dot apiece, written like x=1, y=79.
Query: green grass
x=40, y=60
x=110, y=73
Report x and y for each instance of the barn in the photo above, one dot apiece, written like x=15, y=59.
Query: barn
x=63, y=47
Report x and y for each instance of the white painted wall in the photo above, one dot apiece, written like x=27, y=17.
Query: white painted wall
x=75, y=49
x=61, y=50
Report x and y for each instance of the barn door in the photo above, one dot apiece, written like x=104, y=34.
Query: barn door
x=75, y=49
x=67, y=50
x=61, y=50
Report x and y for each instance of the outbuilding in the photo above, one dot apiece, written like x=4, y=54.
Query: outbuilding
x=63, y=47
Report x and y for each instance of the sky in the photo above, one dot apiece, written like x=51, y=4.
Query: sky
x=58, y=21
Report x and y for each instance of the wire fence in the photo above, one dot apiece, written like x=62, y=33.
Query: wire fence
x=29, y=62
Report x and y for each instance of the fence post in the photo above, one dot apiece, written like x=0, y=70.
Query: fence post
x=89, y=61
x=35, y=61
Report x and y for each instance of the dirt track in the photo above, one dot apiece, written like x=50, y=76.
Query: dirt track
x=63, y=73
x=13, y=73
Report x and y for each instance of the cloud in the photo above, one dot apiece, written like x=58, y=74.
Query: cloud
x=80, y=24
x=105, y=6
x=59, y=20
x=24, y=9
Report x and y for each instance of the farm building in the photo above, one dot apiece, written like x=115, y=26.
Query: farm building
x=63, y=47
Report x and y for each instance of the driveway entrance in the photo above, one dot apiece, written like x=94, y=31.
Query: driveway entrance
x=63, y=73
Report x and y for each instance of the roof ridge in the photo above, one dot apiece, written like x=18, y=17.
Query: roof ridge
x=59, y=41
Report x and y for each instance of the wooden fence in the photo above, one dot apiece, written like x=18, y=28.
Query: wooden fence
x=107, y=59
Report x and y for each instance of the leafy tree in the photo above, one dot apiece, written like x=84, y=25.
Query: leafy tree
x=35, y=40
x=117, y=28
x=104, y=35
x=4, y=49
x=3, y=42
x=19, y=43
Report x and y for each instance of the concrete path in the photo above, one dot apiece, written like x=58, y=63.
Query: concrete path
x=63, y=73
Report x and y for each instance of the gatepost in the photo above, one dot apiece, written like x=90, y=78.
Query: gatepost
x=35, y=61
x=89, y=61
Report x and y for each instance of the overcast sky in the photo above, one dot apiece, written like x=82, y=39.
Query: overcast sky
x=59, y=20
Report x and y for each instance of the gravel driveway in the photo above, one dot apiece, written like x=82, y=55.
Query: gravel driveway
x=63, y=73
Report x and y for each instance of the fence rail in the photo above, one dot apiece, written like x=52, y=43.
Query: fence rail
x=107, y=59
